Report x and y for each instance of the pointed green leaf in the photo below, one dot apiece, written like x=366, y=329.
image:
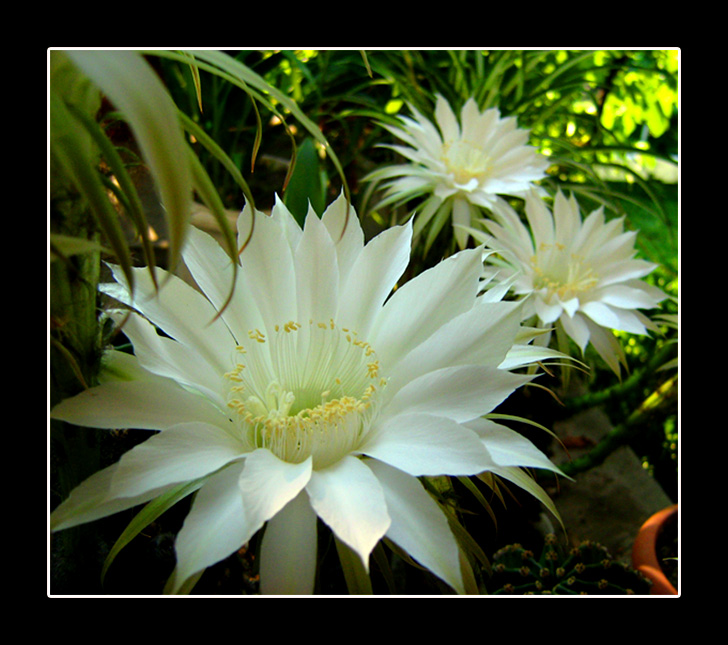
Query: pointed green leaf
x=133, y=87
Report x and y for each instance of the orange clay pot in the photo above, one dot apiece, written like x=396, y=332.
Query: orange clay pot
x=644, y=552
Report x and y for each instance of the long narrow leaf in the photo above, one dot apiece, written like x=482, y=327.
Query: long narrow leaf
x=147, y=515
x=132, y=86
x=84, y=174
x=132, y=200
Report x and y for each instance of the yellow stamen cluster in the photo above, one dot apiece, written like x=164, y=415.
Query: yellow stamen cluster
x=264, y=389
x=565, y=277
x=466, y=161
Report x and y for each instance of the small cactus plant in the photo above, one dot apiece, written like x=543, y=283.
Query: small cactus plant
x=585, y=569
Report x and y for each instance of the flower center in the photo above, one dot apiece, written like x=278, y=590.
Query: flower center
x=305, y=390
x=561, y=273
x=466, y=162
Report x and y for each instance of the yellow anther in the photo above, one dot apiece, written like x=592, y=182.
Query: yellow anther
x=257, y=335
x=373, y=369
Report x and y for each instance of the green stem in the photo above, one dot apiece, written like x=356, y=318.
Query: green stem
x=621, y=434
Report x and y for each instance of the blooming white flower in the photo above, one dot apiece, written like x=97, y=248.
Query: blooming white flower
x=313, y=394
x=462, y=167
x=582, y=276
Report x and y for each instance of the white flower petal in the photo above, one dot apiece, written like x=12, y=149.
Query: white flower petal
x=422, y=444
x=317, y=272
x=425, y=303
x=269, y=267
x=267, y=484
x=625, y=271
x=607, y=346
x=460, y=393
x=372, y=278
x=624, y=297
x=180, y=453
x=212, y=270
x=342, y=223
x=547, y=312
x=181, y=311
x=215, y=527
x=577, y=329
x=601, y=314
x=539, y=219
x=418, y=525
x=91, y=500
x=168, y=358
x=483, y=336
x=288, y=550
x=446, y=119
x=461, y=216
x=508, y=448
x=147, y=405
x=349, y=498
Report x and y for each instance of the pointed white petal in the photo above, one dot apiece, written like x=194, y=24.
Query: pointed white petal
x=418, y=525
x=601, y=314
x=288, y=550
x=461, y=216
x=460, y=393
x=180, y=453
x=342, y=223
x=483, y=335
x=509, y=448
x=215, y=527
x=425, y=303
x=268, y=264
x=372, y=277
x=546, y=311
x=317, y=272
x=446, y=120
x=212, y=270
x=267, y=484
x=349, y=498
x=624, y=297
x=607, y=346
x=180, y=311
x=577, y=329
x=91, y=500
x=422, y=444
x=169, y=358
x=540, y=219
x=148, y=405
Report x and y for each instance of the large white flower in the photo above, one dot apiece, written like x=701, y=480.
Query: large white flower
x=313, y=394
x=461, y=166
x=581, y=275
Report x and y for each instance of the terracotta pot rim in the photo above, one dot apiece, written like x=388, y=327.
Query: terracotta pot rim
x=644, y=556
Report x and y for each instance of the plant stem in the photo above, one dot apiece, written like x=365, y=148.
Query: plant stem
x=621, y=434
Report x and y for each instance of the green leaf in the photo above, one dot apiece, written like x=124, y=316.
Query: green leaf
x=64, y=246
x=133, y=87
x=305, y=185
x=128, y=192
x=75, y=163
x=147, y=515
